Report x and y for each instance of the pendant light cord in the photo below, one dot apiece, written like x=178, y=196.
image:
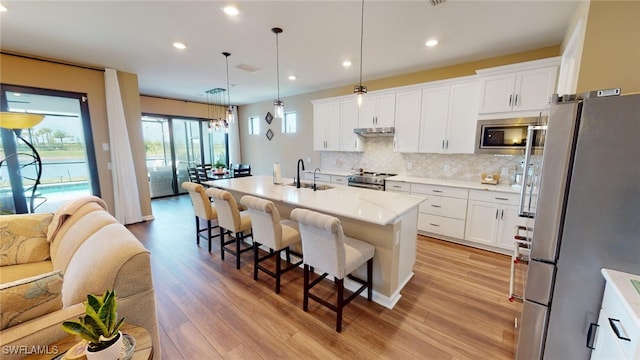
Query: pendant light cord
x=228, y=86
x=361, y=39
x=278, y=65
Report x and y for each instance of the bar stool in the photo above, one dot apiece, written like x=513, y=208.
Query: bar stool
x=231, y=221
x=325, y=247
x=203, y=209
x=274, y=233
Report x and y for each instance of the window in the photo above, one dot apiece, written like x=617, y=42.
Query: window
x=289, y=122
x=254, y=125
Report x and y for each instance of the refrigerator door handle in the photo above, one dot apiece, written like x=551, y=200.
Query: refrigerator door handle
x=525, y=176
x=591, y=335
x=616, y=330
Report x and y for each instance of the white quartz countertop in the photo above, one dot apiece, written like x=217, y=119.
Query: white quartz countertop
x=378, y=207
x=621, y=283
x=455, y=183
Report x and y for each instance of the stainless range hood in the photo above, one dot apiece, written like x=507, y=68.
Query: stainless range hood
x=375, y=132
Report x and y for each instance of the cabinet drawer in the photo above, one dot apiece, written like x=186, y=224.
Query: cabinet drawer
x=440, y=190
x=444, y=206
x=341, y=180
x=441, y=225
x=615, y=310
x=495, y=197
x=397, y=186
x=321, y=178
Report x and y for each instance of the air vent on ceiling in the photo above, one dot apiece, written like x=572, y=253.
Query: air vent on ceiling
x=436, y=2
x=248, y=68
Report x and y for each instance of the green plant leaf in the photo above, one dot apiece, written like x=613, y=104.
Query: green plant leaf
x=94, y=302
x=76, y=328
x=92, y=319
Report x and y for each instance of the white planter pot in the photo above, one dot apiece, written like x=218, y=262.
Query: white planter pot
x=113, y=352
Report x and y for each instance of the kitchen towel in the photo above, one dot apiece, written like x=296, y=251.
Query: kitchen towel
x=277, y=176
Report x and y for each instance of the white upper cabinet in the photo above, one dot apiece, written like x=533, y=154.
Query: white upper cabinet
x=377, y=110
x=407, y=132
x=518, y=89
x=349, y=141
x=326, y=126
x=449, y=116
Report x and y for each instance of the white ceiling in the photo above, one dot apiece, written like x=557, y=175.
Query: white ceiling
x=136, y=36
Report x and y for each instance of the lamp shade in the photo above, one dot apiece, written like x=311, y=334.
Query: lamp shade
x=12, y=120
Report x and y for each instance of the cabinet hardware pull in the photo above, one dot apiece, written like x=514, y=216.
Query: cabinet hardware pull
x=396, y=186
x=616, y=330
x=515, y=103
x=502, y=214
x=436, y=206
x=510, y=99
x=591, y=335
x=436, y=191
x=497, y=211
x=432, y=224
x=447, y=142
x=443, y=143
x=501, y=198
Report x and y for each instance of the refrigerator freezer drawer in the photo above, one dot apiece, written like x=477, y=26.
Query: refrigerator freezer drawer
x=539, y=282
x=532, y=331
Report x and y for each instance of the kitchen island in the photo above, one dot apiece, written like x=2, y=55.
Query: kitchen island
x=386, y=220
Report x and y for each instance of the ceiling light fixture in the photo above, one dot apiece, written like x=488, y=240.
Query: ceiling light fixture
x=431, y=43
x=346, y=63
x=3, y=8
x=360, y=90
x=229, y=113
x=292, y=77
x=278, y=105
x=179, y=45
x=231, y=10
x=215, y=101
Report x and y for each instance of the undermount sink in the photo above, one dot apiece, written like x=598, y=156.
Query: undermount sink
x=308, y=185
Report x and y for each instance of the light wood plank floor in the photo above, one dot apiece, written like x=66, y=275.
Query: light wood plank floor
x=455, y=307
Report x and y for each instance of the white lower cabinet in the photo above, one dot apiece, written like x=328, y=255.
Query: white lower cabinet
x=492, y=218
x=339, y=179
x=444, y=210
x=618, y=336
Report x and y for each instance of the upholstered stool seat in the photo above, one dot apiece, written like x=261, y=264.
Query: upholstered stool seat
x=276, y=234
x=203, y=209
x=232, y=222
x=326, y=248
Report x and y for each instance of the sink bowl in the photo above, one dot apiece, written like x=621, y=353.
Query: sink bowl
x=308, y=185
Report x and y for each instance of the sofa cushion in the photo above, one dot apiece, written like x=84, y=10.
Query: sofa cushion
x=23, y=238
x=16, y=272
x=30, y=298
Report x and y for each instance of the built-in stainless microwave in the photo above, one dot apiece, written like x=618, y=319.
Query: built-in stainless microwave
x=505, y=136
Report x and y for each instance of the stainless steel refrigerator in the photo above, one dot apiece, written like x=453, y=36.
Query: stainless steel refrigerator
x=587, y=217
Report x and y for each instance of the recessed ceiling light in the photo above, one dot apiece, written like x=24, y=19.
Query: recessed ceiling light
x=432, y=43
x=179, y=45
x=231, y=10
x=2, y=8
x=292, y=77
x=346, y=63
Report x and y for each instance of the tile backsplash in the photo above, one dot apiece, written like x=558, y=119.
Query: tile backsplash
x=379, y=156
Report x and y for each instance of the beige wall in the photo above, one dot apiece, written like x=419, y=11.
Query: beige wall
x=611, y=50
x=17, y=70
x=288, y=148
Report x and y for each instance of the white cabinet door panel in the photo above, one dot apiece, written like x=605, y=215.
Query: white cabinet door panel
x=534, y=88
x=407, y=121
x=482, y=222
x=463, y=118
x=497, y=93
x=435, y=110
x=349, y=141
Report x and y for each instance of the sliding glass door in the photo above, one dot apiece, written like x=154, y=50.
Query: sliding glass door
x=63, y=142
x=174, y=144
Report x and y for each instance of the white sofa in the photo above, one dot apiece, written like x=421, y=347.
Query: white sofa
x=93, y=253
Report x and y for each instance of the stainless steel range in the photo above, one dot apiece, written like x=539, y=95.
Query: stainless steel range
x=369, y=180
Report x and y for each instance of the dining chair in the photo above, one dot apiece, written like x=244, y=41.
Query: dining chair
x=325, y=247
x=232, y=222
x=276, y=234
x=203, y=209
x=193, y=174
x=240, y=170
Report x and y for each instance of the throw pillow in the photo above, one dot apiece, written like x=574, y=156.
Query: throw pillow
x=23, y=238
x=29, y=298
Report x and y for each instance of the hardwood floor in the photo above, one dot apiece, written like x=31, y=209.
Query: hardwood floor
x=455, y=307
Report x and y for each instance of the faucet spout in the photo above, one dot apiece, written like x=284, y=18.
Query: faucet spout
x=300, y=162
x=314, y=178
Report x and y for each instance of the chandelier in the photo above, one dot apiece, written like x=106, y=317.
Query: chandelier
x=216, y=109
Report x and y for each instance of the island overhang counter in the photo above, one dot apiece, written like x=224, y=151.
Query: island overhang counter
x=386, y=220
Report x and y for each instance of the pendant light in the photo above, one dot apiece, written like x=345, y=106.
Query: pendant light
x=230, y=117
x=359, y=89
x=278, y=105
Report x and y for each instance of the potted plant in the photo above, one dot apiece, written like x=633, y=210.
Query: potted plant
x=99, y=327
x=219, y=166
